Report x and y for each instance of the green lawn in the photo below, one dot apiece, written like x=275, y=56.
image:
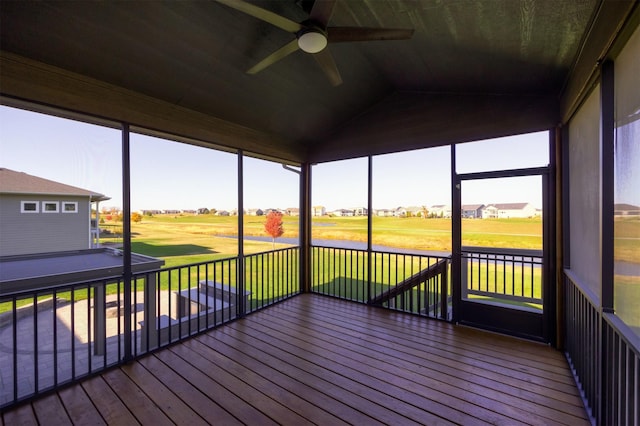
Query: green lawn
x=187, y=239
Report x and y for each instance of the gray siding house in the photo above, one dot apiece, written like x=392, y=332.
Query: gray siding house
x=40, y=216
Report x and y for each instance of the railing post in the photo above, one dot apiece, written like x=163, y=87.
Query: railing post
x=100, y=321
x=241, y=308
x=150, y=335
x=126, y=238
x=464, y=283
x=444, y=291
x=369, y=226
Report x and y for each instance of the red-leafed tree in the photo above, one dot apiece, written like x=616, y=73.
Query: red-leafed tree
x=273, y=225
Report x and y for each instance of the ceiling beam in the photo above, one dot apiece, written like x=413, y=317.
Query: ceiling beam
x=32, y=81
x=412, y=120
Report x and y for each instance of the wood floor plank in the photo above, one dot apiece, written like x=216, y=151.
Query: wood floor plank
x=79, y=406
x=49, y=410
x=233, y=404
x=281, y=394
x=319, y=360
x=417, y=378
x=472, y=345
x=398, y=400
x=196, y=354
x=111, y=408
x=289, y=366
x=368, y=400
x=198, y=401
x=21, y=415
x=163, y=397
x=378, y=375
x=442, y=349
x=361, y=333
x=260, y=365
x=135, y=399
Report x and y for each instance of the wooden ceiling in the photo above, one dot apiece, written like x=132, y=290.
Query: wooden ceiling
x=473, y=69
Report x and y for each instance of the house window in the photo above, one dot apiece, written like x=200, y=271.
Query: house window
x=50, y=207
x=29, y=207
x=69, y=207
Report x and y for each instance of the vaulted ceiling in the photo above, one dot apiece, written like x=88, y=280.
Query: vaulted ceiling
x=472, y=69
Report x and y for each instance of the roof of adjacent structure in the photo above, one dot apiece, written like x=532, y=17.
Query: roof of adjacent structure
x=12, y=182
x=510, y=206
x=625, y=207
x=472, y=206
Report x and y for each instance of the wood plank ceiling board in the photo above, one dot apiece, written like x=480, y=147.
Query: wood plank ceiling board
x=192, y=57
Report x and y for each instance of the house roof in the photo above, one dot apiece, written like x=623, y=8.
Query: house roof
x=626, y=207
x=12, y=182
x=472, y=206
x=510, y=206
x=473, y=69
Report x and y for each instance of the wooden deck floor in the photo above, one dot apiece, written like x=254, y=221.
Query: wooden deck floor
x=316, y=360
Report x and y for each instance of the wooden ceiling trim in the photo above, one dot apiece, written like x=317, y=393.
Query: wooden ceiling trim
x=41, y=83
x=410, y=120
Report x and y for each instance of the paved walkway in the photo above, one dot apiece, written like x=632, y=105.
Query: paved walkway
x=60, y=352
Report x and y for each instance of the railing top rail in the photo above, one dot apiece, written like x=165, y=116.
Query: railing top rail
x=503, y=251
x=437, y=268
x=404, y=252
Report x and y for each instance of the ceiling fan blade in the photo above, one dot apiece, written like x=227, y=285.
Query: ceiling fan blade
x=281, y=53
x=263, y=14
x=322, y=11
x=328, y=65
x=345, y=34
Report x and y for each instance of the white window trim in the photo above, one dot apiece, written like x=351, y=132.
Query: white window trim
x=57, y=204
x=22, y=210
x=63, y=210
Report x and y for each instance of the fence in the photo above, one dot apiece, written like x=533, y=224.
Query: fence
x=56, y=335
x=511, y=276
x=604, y=356
x=405, y=282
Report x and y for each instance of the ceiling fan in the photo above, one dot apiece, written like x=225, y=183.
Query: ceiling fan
x=313, y=35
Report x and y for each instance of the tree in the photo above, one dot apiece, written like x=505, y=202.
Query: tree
x=273, y=225
x=425, y=212
x=136, y=217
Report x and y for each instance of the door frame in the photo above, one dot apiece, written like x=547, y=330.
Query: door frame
x=498, y=318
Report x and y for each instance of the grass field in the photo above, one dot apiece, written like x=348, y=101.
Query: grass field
x=190, y=238
x=187, y=239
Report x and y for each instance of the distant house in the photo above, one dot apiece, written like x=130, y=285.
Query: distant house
x=440, y=210
x=515, y=210
x=40, y=216
x=472, y=211
x=319, y=211
x=385, y=212
x=255, y=212
x=360, y=211
x=343, y=212
x=293, y=211
x=626, y=210
x=490, y=212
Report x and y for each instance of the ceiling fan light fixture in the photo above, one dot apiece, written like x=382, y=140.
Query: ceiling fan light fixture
x=312, y=41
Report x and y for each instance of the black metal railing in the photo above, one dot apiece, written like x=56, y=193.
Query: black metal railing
x=57, y=335
x=405, y=282
x=511, y=276
x=604, y=355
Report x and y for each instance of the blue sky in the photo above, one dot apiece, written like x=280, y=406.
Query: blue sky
x=163, y=173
